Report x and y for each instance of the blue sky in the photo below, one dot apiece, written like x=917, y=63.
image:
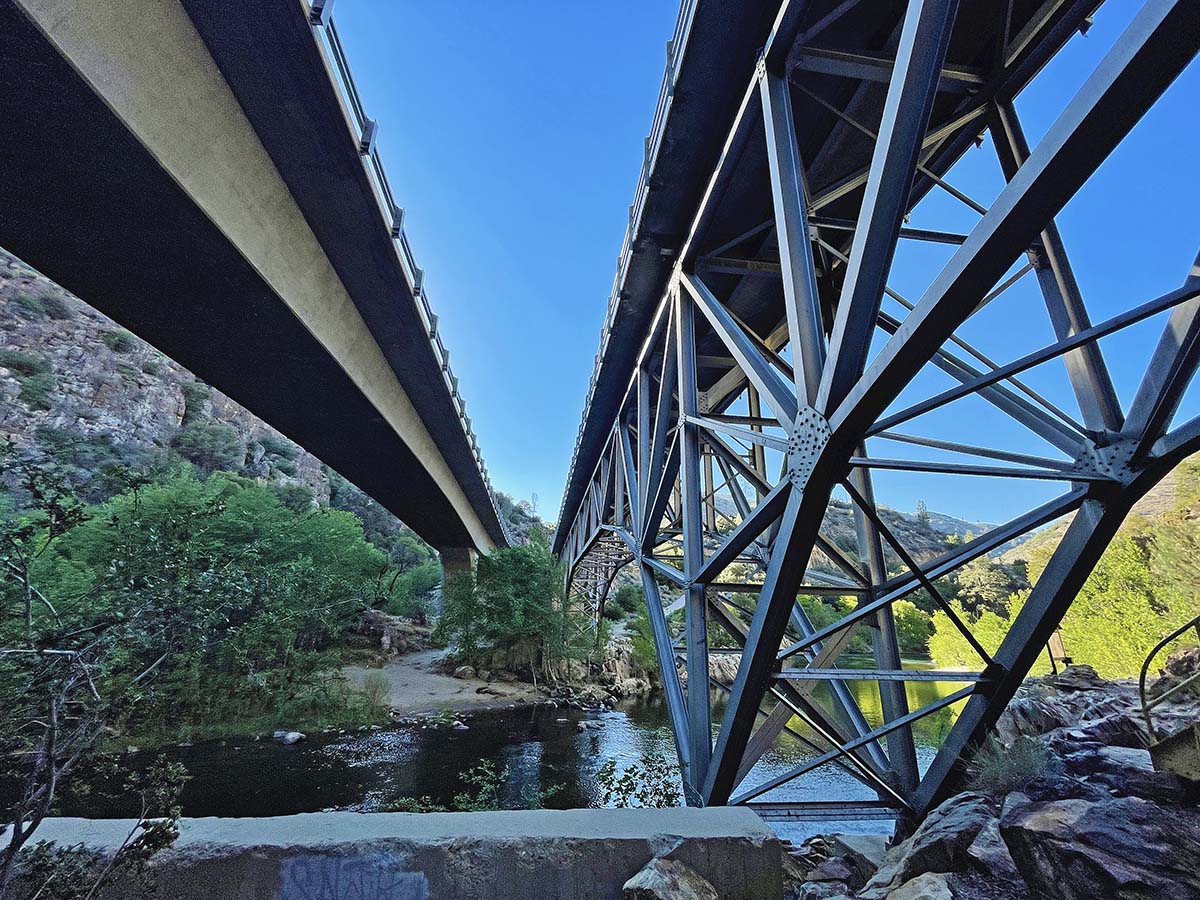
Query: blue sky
x=512, y=133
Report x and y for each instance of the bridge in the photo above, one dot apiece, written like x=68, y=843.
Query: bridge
x=213, y=183
x=756, y=359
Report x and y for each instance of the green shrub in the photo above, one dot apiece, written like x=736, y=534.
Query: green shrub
x=151, y=367
x=127, y=370
x=376, y=691
x=652, y=783
x=195, y=398
x=25, y=365
x=36, y=390
x=914, y=627
x=30, y=307
x=119, y=341
x=998, y=769
x=57, y=307
x=286, y=466
x=277, y=445
x=210, y=445
x=612, y=612
x=629, y=598
x=296, y=497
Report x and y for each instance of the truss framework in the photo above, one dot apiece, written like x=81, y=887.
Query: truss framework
x=756, y=389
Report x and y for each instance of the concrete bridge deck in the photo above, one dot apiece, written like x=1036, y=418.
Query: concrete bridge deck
x=209, y=189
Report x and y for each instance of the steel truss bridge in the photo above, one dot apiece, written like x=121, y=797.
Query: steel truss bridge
x=753, y=352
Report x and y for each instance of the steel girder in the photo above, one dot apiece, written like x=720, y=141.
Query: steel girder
x=757, y=389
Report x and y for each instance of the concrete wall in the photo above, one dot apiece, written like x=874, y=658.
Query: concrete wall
x=583, y=854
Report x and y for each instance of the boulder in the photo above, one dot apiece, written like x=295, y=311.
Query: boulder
x=1180, y=666
x=289, y=737
x=938, y=845
x=832, y=869
x=990, y=854
x=667, y=879
x=1124, y=849
x=1080, y=677
x=1117, y=729
x=1126, y=772
x=1058, y=786
x=464, y=672
x=863, y=852
x=930, y=886
x=1030, y=716
x=823, y=890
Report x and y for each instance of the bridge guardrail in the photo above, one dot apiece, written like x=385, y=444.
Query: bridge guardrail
x=366, y=132
x=676, y=49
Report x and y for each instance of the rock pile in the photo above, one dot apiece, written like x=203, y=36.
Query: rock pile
x=1098, y=822
x=396, y=635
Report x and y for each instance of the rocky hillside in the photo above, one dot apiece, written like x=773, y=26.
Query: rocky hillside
x=69, y=373
x=1159, y=499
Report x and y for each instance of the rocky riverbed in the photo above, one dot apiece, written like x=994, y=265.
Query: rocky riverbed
x=1080, y=813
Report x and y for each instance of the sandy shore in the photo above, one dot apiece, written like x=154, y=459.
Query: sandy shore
x=415, y=689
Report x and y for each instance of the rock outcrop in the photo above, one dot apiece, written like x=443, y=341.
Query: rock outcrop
x=667, y=879
x=1097, y=822
x=1124, y=849
x=940, y=844
x=69, y=370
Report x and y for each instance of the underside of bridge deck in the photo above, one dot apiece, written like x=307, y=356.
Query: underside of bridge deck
x=236, y=218
x=776, y=360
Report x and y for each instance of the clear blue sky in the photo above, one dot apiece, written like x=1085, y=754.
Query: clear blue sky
x=513, y=132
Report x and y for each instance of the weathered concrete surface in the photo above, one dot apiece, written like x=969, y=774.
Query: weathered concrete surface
x=532, y=855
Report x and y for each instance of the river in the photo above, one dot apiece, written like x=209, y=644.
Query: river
x=538, y=748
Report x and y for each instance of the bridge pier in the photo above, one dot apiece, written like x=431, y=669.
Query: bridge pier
x=456, y=560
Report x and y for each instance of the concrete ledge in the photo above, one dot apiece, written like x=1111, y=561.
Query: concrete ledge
x=551, y=854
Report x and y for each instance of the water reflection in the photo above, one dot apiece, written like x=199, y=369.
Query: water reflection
x=543, y=752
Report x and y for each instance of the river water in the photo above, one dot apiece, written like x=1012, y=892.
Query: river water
x=538, y=748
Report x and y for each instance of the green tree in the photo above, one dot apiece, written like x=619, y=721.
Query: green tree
x=914, y=627
x=983, y=585
x=210, y=445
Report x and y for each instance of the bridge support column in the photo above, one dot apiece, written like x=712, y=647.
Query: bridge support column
x=456, y=560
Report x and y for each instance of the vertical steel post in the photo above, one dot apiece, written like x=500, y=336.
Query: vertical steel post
x=692, y=515
x=886, y=646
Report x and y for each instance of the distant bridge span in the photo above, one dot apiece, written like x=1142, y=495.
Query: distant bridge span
x=755, y=359
x=205, y=174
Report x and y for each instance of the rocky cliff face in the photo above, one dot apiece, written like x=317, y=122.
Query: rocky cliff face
x=67, y=370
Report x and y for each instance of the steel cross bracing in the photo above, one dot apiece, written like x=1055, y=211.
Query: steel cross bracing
x=744, y=427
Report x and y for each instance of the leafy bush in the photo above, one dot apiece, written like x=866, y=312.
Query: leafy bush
x=1126, y=605
x=612, y=612
x=513, y=603
x=376, y=690
x=25, y=365
x=286, y=466
x=36, y=391
x=151, y=367
x=277, y=445
x=652, y=783
x=997, y=769
x=409, y=594
x=914, y=627
x=30, y=307
x=210, y=445
x=244, y=594
x=195, y=400
x=296, y=497
x=629, y=598
x=119, y=341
